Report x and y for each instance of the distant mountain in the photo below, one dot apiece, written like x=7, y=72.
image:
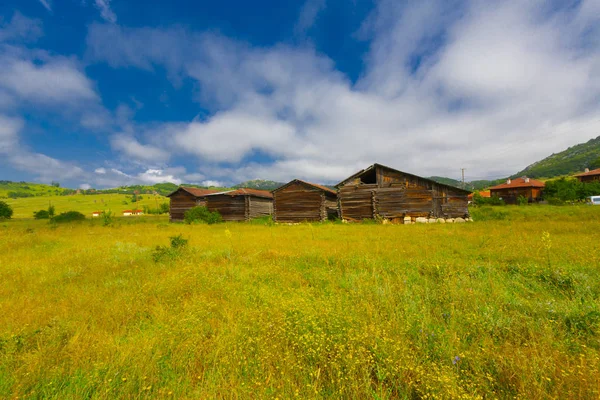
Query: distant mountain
x=259, y=184
x=573, y=160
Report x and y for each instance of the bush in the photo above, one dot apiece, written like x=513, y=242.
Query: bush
x=107, y=218
x=68, y=216
x=479, y=200
x=6, y=211
x=202, y=215
x=42, y=214
x=522, y=200
x=178, y=245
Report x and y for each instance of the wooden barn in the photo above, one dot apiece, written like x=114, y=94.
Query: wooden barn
x=299, y=201
x=382, y=192
x=241, y=204
x=185, y=198
x=510, y=191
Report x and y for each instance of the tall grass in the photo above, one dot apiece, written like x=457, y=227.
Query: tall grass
x=308, y=311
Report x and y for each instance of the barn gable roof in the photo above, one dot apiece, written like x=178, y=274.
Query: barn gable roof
x=196, y=192
x=245, y=192
x=374, y=166
x=314, y=185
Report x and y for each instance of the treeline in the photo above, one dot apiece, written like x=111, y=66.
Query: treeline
x=569, y=190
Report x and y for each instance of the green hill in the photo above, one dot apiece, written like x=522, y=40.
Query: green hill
x=14, y=190
x=473, y=185
x=573, y=160
x=259, y=184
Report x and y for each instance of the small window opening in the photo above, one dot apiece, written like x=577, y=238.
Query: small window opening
x=369, y=177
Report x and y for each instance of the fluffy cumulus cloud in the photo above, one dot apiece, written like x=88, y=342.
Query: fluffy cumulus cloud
x=486, y=86
x=34, y=81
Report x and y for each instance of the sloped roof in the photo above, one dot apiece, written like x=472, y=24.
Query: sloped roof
x=245, y=192
x=194, y=191
x=590, y=173
x=315, y=185
x=482, y=193
x=520, y=183
x=359, y=173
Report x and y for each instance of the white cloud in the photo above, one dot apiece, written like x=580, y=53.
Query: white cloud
x=100, y=171
x=9, y=130
x=85, y=186
x=308, y=15
x=212, y=183
x=20, y=28
x=105, y=11
x=53, y=82
x=132, y=148
x=490, y=87
x=47, y=5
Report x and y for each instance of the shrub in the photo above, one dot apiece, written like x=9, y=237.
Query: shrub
x=202, y=215
x=522, y=200
x=479, y=200
x=68, y=216
x=42, y=214
x=178, y=245
x=6, y=211
x=51, y=211
x=107, y=218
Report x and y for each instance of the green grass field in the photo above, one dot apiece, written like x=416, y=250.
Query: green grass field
x=86, y=204
x=507, y=307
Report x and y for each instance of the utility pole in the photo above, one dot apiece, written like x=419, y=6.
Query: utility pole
x=462, y=170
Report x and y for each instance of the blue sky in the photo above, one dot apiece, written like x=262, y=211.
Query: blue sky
x=100, y=93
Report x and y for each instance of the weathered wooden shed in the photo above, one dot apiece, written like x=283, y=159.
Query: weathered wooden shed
x=299, y=201
x=241, y=204
x=383, y=192
x=185, y=198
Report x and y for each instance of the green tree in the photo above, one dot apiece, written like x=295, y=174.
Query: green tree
x=51, y=211
x=6, y=211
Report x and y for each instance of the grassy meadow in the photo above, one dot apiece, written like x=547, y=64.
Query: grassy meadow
x=505, y=307
x=85, y=204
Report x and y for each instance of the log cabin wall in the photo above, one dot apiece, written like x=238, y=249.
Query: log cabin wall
x=298, y=202
x=259, y=207
x=387, y=193
x=181, y=201
x=231, y=208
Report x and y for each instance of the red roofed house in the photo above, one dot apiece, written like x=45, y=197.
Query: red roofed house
x=241, y=204
x=97, y=213
x=185, y=198
x=510, y=191
x=589, y=176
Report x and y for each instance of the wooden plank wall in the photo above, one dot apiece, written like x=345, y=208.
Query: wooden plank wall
x=180, y=203
x=259, y=207
x=356, y=201
x=298, y=203
x=231, y=208
x=398, y=195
